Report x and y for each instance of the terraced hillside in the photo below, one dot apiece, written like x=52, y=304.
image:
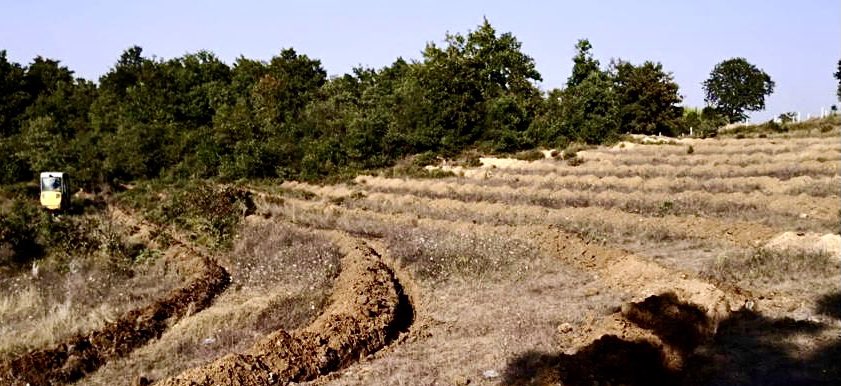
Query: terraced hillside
x=643, y=264
x=635, y=264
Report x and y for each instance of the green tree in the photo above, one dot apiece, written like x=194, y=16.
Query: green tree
x=584, y=63
x=838, y=76
x=648, y=99
x=736, y=86
x=588, y=104
x=13, y=96
x=548, y=128
x=472, y=76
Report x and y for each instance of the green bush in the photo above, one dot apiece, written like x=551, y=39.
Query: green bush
x=20, y=226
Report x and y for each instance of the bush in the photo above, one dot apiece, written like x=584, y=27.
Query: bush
x=210, y=211
x=19, y=229
x=529, y=155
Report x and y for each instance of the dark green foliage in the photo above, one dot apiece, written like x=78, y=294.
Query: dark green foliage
x=736, y=86
x=13, y=96
x=704, y=123
x=838, y=76
x=208, y=210
x=19, y=228
x=648, y=99
x=588, y=110
x=195, y=117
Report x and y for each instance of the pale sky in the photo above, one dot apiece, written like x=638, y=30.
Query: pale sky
x=797, y=42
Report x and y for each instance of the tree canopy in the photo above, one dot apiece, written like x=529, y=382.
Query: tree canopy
x=838, y=76
x=736, y=86
x=648, y=99
x=196, y=116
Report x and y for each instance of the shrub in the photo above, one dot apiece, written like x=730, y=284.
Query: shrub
x=19, y=229
x=529, y=155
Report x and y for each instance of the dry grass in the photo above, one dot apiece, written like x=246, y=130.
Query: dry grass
x=769, y=209
x=815, y=187
x=614, y=158
x=767, y=266
x=39, y=310
x=281, y=278
x=781, y=170
x=791, y=281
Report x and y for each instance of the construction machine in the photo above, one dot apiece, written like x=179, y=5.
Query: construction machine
x=55, y=190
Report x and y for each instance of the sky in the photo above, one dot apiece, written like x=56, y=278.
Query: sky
x=798, y=43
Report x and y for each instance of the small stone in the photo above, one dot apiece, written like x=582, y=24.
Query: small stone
x=565, y=328
x=362, y=299
x=207, y=341
x=490, y=374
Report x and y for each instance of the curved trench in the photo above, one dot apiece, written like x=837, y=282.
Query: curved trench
x=368, y=310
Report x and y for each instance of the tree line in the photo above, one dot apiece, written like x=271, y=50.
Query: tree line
x=197, y=117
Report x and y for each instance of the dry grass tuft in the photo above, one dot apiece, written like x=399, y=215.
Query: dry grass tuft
x=281, y=277
x=769, y=266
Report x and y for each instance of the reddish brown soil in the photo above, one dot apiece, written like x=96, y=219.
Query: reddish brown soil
x=72, y=359
x=367, y=309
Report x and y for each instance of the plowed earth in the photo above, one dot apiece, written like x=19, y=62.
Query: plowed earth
x=78, y=355
x=367, y=310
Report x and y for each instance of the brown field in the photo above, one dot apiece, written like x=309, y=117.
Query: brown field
x=642, y=265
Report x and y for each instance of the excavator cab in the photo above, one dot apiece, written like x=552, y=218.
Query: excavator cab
x=55, y=190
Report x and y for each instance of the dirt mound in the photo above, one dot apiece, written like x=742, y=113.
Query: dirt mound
x=72, y=359
x=658, y=335
x=367, y=310
x=807, y=243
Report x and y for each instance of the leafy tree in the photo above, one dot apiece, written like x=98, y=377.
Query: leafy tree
x=838, y=76
x=588, y=104
x=461, y=81
x=589, y=109
x=13, y=96
x=736, y=86
x=584, y=63
x=647, y=99
x=548, y=128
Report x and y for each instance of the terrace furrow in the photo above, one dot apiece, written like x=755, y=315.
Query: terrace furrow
x=815, y=187
x=597, y=222
x=779, y=170
x=769, y=210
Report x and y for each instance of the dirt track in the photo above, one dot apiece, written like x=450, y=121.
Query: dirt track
x=368, y=309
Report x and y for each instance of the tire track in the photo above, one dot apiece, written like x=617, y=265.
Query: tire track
x=619, y=270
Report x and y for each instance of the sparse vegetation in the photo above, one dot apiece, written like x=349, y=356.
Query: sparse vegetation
x=222, y=213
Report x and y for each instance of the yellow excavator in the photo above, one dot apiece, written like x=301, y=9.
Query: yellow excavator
x=55, y=190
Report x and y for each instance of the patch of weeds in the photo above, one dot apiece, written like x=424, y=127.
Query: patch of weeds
x=690, y=150
x=771, y=266
x=209, y=213
x=414, y=171
x=575, y=161
x=355, y=196
x=424, y=159
x=529, y=155
x=147, y=255
x=666, y=207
